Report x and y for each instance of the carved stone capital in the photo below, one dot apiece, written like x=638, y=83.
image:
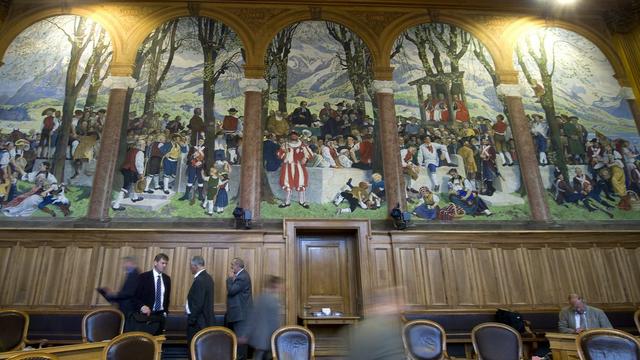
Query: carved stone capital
x=119, y=82
x=256, y=85
x=514, y=90
x=627, y=93
x=383, y=86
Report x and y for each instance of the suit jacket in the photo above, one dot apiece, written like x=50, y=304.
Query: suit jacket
x=146, y=291
x=124, y=298
x=596, y=318
x=265, y=317
x=239, y=299
x=200, y=300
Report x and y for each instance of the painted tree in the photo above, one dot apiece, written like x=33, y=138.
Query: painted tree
x=163, y=46
x=80, y=39
x=99, y=67
x=440, y=49
x=482, y=54
x=546, y=65
x=221, y=51
x=276, y=67
x=356, y=60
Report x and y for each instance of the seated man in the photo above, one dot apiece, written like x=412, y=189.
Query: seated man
x=578, y=317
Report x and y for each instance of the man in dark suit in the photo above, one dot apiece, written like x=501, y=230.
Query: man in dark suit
x=239, y=303
x=124, y=298
x=199, y=306
x=152, y=297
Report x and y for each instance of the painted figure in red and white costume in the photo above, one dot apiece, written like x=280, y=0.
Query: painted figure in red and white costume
x=293, y=173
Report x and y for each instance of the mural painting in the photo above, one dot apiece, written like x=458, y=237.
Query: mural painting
x=585, y=136
x=458, y=155
x=52, y=109
x=181, y=154
x=321, y=153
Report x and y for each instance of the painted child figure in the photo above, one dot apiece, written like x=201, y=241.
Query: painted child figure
x=356, y=196
x=222, y=198
x=212, y=182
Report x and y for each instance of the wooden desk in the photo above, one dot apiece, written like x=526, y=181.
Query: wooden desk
x=563, y=346
x=85, y=351
x=331, y=333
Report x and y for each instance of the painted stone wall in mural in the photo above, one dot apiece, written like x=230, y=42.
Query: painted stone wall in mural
x=52, y=109
x=321, y=153
x=586, y=138
x=458, y=155
x=183, y=145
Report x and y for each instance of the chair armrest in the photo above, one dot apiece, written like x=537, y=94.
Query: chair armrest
x=40, y=342
x=445, y=355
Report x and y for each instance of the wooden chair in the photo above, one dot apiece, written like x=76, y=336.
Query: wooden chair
x=636, y=318
x=215, y=342
x=293, y=342
x=14, y=325
x=102, y=324
x=496, y=341
x=34, y=355
x=425, y=340
x=132, y=345
x=616, y=344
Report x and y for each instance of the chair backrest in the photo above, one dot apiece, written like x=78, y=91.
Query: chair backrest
x=34, y=355
x=636, y=318
x=132, y=345
x=495, y=341
x=102, y=324
x=424, y=340
x=600, y=344
x=214, y=342
x=13, y=330
x=293, y=342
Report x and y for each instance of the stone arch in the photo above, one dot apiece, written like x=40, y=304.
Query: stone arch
x=14, y=28
x=280, y=22
x=520, y=27
x=395, y=29
x=156, y=19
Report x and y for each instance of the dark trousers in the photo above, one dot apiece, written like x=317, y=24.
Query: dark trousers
x=262, y=355
x=240, y=329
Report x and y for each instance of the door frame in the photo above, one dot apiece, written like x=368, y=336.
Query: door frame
x=361, y=237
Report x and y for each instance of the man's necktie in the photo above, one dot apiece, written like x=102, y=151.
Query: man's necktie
x=583, y=321
x=157, y=303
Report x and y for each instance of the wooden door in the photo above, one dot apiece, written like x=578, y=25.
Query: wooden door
x=328, y=275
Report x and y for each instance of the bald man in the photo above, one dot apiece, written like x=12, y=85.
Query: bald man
x=578, y=317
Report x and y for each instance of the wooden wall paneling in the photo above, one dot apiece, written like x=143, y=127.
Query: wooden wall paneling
x=564, y=275
x=409, y=275
x=435, y=276
x=631, y=272
x=80, y=283
x=516, y=279
x=587, y=269
x=28, y=263
x=6, y=263
x=54, y=275
x=221, y=264
x=612, y=278
x=465, y=278
x=109, y=271
x=540, y=272
x=490, y=290
x=381, y=264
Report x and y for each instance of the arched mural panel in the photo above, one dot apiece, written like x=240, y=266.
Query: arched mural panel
x=458, y=154
x=181, y=154
x=586, y=139
x=52, y=109
x=321, y=153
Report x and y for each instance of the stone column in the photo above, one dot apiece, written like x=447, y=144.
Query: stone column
x=110, y=141
x=526, y=152
x=251, y=166
x=392, y=166
x=627, y=94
